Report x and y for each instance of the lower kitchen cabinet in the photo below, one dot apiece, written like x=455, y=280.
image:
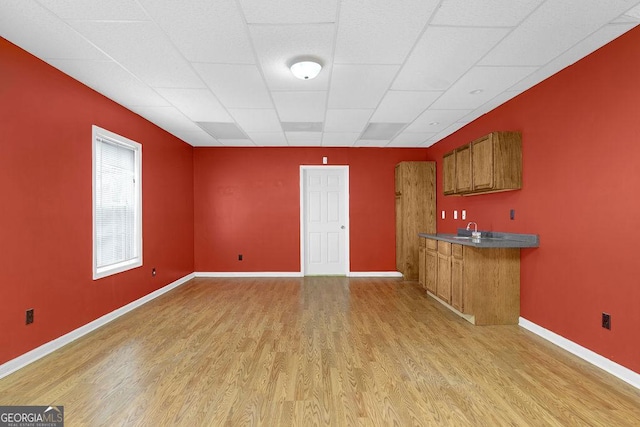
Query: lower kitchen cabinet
x=457, y=281
x=481, y=284
x=443, y=287
x=421, y=262
x=430, y=266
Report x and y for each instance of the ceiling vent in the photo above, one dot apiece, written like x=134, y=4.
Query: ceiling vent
x=381, y=131
x=302, y=126
x=223, y=130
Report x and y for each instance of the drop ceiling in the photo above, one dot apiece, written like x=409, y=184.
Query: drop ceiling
x=396, y=73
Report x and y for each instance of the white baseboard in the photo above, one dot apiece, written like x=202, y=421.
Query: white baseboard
x=248, y=274
x=21, y=361
x=374, y=274
x=290, y=274
x=625, y=374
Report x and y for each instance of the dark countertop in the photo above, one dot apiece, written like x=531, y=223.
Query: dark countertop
x=488, y=239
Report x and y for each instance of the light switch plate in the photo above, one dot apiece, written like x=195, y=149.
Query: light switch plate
x=464, y=215
x=455, y=214
x=443, y=215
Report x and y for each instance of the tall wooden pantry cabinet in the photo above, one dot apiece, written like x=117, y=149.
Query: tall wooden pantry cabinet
x=415, y=212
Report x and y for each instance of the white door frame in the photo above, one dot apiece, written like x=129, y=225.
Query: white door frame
x=303, y=169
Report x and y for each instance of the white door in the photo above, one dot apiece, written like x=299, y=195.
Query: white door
x=324, y=220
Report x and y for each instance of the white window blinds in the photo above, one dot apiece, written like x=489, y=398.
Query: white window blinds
x=117, y=207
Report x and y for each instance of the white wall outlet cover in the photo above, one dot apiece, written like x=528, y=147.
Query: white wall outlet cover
x=325, y=160
x=442, y=214
x=455, y=214
x=464, y=215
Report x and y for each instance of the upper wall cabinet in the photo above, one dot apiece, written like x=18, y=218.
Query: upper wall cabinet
x=487, y=165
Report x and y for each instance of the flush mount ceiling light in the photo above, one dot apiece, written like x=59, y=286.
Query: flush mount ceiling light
x=306, y=70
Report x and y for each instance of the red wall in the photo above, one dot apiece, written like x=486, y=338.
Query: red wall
x=581, y=179
x=45, y=212
x=247, y=201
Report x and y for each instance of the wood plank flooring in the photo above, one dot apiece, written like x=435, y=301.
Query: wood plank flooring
x=316, y=351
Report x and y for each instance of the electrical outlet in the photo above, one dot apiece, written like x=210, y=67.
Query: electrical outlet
x=464, y=215
x=239, y=257
x=606, y=320
x=455, y=214
x=512, y=214
x=29, y=316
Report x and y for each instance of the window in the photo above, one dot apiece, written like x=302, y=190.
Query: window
x=117, y=203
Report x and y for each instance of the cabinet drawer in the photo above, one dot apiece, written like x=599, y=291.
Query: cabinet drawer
x=431, y=244
x=444, y=248
x=422, y=242
x=456, y=250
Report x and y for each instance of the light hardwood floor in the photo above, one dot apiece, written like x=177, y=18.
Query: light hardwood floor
x=316, y=351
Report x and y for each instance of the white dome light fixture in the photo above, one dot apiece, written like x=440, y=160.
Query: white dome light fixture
x=306, y=69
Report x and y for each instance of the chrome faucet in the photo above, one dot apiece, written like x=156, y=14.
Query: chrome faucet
x=475, y=233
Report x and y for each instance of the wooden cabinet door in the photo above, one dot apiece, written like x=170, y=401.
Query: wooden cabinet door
x=482, y=163
x=431, y=270
x=463, y=169
x=399, y=236
x=422, y=256
x=449, y=173
x=457, y=288
x=444, y=278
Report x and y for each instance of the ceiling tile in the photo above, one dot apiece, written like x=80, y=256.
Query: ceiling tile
x=382, y=131
x=339, y=139
x=408, y=139
x=197, y=104
x=223, y=131
x=380, y=31
x=302, y=126
x=403, y=106
x=38, y=31
x=300, y=106
x=111, y=80
x=499, y=99
x=626, y=19
x=443, y=54
x=346, y=120
x=289, y=11
x=268, y=139
x=237, y=142
x=432, y=121
x=579, y=51
x=257, y=120
x=490, y=80
x=634, y=12
x=198, y=138
x=278, y=45
x=168, y=118
x=152, y=57
x=305, y=139
x=360, y=86
x=485, y=13
x=371, y=143
x=448, y=131
x=204, y=30
x=236, y=86
x=552, y=29
x=113, y=10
